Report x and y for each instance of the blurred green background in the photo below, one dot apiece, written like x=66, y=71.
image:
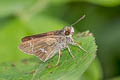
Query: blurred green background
x=19, y=18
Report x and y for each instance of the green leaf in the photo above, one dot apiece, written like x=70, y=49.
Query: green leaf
x=68, y=68
x=94, y=72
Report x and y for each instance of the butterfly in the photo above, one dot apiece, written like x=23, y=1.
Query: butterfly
x=47, y=45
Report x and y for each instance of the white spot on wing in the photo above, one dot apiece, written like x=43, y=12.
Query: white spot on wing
x=43, y=50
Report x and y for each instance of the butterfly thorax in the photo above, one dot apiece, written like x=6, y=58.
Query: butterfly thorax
x=64, y=41
x=69, y=40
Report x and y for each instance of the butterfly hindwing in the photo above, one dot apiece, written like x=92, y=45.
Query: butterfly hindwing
x=44, y=47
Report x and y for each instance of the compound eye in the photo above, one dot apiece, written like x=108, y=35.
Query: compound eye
x=67, y=32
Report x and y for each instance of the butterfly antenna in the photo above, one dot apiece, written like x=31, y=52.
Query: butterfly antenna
x=78, y=20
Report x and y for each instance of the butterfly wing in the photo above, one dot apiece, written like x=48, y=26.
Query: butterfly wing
x=44, y=47
x=27, y=38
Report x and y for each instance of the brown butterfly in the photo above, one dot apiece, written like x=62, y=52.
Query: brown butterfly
x=47, y=45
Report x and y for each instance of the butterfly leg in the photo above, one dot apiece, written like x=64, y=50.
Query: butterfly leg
x=70, y=52
x=59, y=54
x=77, y=44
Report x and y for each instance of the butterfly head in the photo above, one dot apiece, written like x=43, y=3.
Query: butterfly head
x=68, y=31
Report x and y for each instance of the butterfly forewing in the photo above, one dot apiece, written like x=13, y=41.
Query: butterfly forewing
x=43, y=47
x=41, y=35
